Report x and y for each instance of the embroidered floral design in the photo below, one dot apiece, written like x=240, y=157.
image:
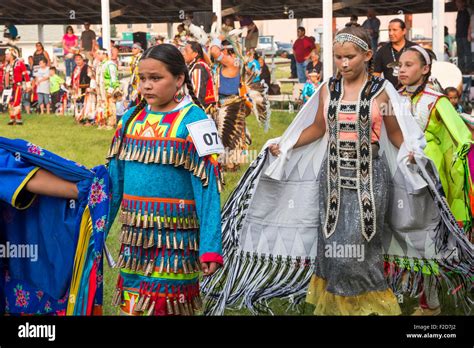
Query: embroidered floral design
x=22, y=296
x=97, y=194
x=47, y=307
x=100, y=224
x=35, y=149
x=39, y=294
x=100, y=278
x=64, y=299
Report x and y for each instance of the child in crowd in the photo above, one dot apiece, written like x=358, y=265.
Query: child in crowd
x=310, y=86
x=253, y=65
x=176, y=229
x=453, y=95
x=448, y=143
x=55, y=82
x=120, y=106
x=42, y=82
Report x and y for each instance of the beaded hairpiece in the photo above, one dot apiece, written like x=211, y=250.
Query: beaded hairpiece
x=345, y=37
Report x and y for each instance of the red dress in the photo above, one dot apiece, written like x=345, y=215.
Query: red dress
x=1, y=77
x=13, y=78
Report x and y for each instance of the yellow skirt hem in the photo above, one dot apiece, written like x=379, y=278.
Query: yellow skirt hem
x=369, y=303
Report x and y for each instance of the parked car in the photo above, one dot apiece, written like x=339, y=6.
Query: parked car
x=266, y=45
x=58, y=52
x=284, y=47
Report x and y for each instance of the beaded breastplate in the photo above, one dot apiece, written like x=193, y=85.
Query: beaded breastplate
x=354, y=155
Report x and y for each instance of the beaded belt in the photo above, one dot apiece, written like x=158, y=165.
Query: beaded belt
x=348, y=161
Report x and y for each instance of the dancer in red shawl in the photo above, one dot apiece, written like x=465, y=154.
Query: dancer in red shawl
x=14, y=73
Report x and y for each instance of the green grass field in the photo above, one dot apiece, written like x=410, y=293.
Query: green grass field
x=88, y=145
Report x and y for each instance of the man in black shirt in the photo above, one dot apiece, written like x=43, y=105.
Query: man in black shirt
x=463, y=37
x=386, y=58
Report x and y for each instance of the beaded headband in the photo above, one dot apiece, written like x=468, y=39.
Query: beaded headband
x=423, y=52
x=345, y=37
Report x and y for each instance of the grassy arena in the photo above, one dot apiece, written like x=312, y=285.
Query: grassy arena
x=88, y=145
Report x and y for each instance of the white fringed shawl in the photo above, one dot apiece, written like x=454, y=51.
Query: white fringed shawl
x=271, y=220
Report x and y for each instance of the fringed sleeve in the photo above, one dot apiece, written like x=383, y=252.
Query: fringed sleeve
x=457, y=128
x=463, y=141
x=207, y=183
x=209, y=212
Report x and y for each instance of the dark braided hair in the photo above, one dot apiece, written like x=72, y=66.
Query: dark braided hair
x=196, y=47
x=190, y=87
x=175, y=64
x=423, y=62
x=371, y=66
x=140, y=106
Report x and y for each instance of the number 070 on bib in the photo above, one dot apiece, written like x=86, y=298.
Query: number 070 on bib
x=205, y=137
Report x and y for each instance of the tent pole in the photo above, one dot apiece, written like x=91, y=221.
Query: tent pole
x=105, y=8
x=438, y=29
x=327, y=38
x=217, y=9
x=41, y=33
